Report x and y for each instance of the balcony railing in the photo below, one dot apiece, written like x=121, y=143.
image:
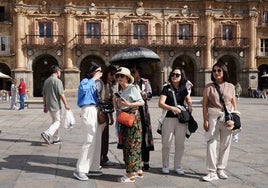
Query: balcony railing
x=240, y=42
x=262, y=54
x=44, y=41
x=145, y=40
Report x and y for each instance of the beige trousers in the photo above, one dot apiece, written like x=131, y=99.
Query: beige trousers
x=217, y=160
x=172, y=128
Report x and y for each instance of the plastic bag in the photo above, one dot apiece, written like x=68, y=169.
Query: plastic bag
x=69, y=120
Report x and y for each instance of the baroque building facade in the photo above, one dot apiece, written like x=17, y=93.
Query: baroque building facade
x=194, y=34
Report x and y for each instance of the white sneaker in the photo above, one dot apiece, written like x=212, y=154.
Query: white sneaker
x=179, y=171
x=165, y=170
x=235, y=138
x=80, y=176
x=222, y=174
x=210, y=177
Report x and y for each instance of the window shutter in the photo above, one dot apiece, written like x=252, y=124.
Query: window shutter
x=175, y=32
x=55, y=32
x=8, y=44
x=148, y=33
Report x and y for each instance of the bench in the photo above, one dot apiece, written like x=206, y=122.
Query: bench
x=33, y=101
x=197, y=103
x=27, y=102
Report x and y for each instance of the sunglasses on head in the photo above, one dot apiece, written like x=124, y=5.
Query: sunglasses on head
x=119, y=75
x=175, y=74
x=217, y=70
x=98, y=70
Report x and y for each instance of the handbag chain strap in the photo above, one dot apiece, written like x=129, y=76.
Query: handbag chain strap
x=221, y=98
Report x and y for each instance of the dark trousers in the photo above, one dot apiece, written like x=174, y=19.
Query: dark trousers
x=145, y=153
x=105, y=144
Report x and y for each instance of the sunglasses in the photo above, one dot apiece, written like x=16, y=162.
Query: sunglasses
x=119, y=75
x=175, y=74
x=98, y=70
x=217, y=70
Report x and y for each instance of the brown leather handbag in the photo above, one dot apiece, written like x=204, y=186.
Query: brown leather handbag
x=125, y=118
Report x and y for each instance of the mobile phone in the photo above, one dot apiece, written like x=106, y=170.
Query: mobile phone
x=118, y=96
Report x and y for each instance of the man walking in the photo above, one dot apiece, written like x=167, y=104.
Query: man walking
x=53, y=93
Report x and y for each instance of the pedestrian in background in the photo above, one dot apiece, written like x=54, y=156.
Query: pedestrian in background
x=214, y=121
x=53, y=94
x=22, y=93
x=89, y=91
x=238, y=90
x=14, y=95
x=131, y=136
x=108, y=83
x=171, y=127
x=145, y=90
x=189, y=86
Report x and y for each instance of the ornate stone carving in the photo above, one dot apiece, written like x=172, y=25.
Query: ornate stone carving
x=92, y=9
x=20, y=10
x=140, y=9
x=44, y=8
x=185, y=11
x=228, y=11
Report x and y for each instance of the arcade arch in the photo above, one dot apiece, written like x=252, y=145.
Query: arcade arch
x=5, y=84
x=233, y=68
x=263, y=81
x=188, y=64
x=41, y=71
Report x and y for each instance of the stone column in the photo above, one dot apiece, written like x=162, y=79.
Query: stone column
x=207, y=57
x=251, y=61
x=69, y=34
x=19, y=34
x=71, y=73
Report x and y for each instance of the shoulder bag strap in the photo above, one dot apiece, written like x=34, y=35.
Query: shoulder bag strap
x=221, y=98
x=174, y=97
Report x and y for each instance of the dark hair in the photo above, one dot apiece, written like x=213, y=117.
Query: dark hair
x=106, y=71
x=224, y=69
x=55, y=68
x=135, y=68
x=183, y=76
x=90, y=72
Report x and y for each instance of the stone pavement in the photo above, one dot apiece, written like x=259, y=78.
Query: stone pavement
x=25, y=162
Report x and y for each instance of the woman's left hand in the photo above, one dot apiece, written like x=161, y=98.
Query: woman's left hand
x=123, y=102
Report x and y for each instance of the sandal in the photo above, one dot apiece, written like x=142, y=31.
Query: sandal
x=126, y=179
x=138, y=174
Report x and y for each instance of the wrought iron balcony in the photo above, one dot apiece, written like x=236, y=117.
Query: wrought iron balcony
x=144, y=40
x=43, y=41
x=239, y=42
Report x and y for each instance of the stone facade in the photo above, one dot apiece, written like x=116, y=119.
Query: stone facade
x=191, y=34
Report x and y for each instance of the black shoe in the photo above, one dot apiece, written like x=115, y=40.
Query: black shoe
x=146, y=167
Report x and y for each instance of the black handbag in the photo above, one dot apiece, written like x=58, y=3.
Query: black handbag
x=234, y=117
x=106, y=107
x=184, y=116
x=229, y=116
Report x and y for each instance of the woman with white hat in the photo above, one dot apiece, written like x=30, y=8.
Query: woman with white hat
x=129, y=102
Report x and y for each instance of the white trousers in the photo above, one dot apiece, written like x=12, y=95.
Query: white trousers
x=217, y=160
x=172, y=128
x=89, y=158
x=53, y=129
